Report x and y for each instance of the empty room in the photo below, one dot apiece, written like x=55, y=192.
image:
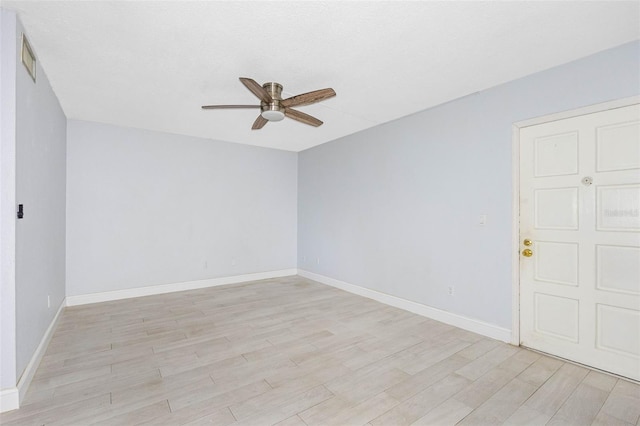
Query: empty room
x=320, y=213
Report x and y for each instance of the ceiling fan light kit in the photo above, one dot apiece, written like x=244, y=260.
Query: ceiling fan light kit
x=272, y=114
x=274, y=108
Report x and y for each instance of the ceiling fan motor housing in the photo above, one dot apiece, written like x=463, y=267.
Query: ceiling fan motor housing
x=272, y=111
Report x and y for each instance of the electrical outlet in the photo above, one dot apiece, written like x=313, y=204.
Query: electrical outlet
x=304, y=259
x=318, y=260
x=451, y=290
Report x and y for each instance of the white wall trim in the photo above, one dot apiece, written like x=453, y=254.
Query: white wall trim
x=84, y=299
x=34, y=362
x=470, y=324
x=515, y=236
x=515, y=193
x=9, y=399
x=590, y=109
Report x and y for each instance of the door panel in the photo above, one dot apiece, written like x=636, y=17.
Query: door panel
x=616, y=149
x=556, y=208
x=580, y=207
x=617, y=269
x=618, y=208
x=546, y=267
x=557, y=316
x=556, y=155
x=611, y=337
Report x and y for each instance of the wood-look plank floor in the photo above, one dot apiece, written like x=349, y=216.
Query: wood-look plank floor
x=292, y=352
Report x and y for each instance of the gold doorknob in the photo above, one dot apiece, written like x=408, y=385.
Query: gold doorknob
x=527, y=242
x=527, y=253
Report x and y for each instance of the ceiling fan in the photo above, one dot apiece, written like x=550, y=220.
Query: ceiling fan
x=274, y=108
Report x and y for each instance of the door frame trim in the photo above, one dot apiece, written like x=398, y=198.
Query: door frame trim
x=515, y=193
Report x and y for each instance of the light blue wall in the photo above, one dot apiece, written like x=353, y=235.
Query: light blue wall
x=8, y=57
x=395, y=208
x=148, y=208
x=41, y=134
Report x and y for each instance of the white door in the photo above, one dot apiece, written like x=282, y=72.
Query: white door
x=580, y=211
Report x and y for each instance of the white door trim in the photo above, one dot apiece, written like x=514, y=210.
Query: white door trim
x=515, y=194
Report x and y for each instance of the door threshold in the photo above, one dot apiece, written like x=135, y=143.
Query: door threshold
x=609, y=373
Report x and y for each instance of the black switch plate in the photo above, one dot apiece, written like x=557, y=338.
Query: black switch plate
x=20, y=211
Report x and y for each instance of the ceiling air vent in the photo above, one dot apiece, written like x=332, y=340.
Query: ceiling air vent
x=28, y=58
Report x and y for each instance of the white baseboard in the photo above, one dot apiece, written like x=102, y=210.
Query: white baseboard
x=34, y=362
x=9, y=399
x=84, y=299
x=469, y=324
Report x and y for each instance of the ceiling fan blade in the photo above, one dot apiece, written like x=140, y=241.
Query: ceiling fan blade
x=259, y=123
x=308, y=98
x=229, y=106
x=256, y=89
x=302, y=117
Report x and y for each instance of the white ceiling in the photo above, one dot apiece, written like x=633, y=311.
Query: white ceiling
x=152, y=65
